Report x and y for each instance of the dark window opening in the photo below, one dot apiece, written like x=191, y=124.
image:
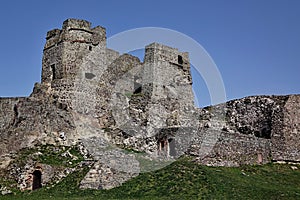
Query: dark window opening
x=90, y=48
x=137, y=90
x=89, y=75
x=180, y=60
x=137, y=85
x=264, y=133
x=16, y=110
x=37, y=180
x=172, y=147
x=53, y=71
x=16, y=119
x=162, y=143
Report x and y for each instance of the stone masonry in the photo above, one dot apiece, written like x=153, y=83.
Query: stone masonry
x=119, y=111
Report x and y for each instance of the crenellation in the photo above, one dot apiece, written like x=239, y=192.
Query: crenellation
x=53, y=38
x=53, y=34
x=76, y=24
x=74, y=30
x=99, y=36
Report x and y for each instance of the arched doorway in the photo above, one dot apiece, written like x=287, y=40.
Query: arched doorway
x=37, y=180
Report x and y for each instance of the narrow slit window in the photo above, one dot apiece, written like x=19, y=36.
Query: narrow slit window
x=180, y=60
x=53, y=71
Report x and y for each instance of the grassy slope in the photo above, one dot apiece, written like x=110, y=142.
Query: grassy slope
x=184, y=179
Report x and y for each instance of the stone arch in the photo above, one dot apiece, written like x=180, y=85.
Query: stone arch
x=36, y=180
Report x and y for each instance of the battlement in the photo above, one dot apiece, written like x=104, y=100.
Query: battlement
x=75, y=30
x=65, y=49
x=76, y=24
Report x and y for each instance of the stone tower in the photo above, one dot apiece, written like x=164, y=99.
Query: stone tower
x=74, y=59
x=169, y=71
x=167, y=75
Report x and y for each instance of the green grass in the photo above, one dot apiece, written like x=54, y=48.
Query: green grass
x=52, y=155
x=147, y=164
x=184, y=179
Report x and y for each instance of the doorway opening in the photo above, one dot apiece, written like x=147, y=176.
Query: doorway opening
x=37, y=180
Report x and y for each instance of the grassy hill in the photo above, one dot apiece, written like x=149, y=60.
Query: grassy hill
x=185, y=179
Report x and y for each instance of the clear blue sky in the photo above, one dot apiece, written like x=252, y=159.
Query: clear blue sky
x=254, y=43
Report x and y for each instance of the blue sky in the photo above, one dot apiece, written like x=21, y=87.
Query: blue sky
x=255, y=44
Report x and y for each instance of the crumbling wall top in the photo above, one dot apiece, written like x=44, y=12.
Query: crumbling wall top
x=159, y=52
x=76, y=30
x=76, y=24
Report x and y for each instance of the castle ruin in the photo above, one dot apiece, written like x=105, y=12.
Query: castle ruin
x=106, y=103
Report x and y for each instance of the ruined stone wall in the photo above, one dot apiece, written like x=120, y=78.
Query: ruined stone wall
x=112, y=167
x=232, y=149
x=286, y=130
x=253, y=115
x=254, y=130
x=114, y=86
x=275, y=118
x=111, y=55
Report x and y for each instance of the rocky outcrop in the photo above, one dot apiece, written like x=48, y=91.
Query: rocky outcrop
x=29, y=121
